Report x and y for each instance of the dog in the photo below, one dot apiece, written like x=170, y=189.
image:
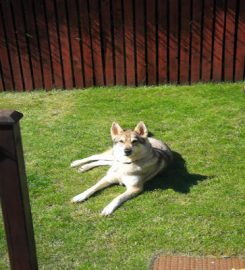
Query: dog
x=134, y=159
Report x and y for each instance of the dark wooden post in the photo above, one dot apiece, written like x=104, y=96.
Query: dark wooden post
x=14, y=195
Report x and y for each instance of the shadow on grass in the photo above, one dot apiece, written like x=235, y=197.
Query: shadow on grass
x=176, y=177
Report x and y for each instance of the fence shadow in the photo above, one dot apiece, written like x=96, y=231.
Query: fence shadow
x=176, y=177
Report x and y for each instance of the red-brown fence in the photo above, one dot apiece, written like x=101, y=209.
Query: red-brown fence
x=79, y=43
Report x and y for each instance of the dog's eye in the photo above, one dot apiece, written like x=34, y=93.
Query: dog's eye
x=134, y=141
x=121, y=141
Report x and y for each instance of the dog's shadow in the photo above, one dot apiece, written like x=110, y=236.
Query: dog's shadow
x=176, y=177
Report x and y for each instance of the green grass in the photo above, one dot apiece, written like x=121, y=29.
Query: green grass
x=199, y=212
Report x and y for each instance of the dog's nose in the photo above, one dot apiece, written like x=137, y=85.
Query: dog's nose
x=128, y=152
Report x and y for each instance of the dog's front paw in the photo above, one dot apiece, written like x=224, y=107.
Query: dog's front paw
x=75, y=163
x=80, y=198
x=108, y=210
x=83, y=168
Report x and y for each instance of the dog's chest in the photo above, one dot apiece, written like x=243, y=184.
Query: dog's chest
x=133, y=172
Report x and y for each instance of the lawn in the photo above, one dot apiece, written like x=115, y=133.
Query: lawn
x=196, y=207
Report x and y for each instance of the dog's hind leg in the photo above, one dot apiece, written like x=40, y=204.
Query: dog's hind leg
x=103, y=183
x=108, y=156
x=131, y=192
x=94, y=164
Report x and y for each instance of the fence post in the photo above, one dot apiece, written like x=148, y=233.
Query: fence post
x=14, y=195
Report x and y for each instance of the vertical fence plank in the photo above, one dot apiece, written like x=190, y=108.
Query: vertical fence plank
x=218, y=40
x=107, y=43
x=119, y=42
x=7, y=80
x=140, y=41
x=162, y=40
x=129, y=41
x=96, y=41
x=75, y=41
x=31, y=35
x=23, y=44
x=43, y=37
x=7, y=22
x=229, y=40
x=173, y=41
x=184, y=42
x=55, y=46
x=240, y=52
x=86, y=43
x=196, y=41
x=207, y=39
x=151, y=42
x=65, y=43
x=14, y=195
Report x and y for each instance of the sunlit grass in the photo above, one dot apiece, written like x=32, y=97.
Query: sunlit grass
x=199, y=213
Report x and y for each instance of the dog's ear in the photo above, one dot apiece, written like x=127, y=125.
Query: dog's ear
x=141, y=129
x=115, y=130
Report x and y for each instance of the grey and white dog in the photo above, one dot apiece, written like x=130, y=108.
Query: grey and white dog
x=134, y=159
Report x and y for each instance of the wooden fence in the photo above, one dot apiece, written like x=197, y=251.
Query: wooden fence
x=80, y=43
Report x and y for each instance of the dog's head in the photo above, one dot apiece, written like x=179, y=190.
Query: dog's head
x=130, y=145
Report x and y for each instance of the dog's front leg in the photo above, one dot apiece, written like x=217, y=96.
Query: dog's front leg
x=104, y=156
x=83, y=161
x=94, y=164
x=131, y=192
x=103, y=183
